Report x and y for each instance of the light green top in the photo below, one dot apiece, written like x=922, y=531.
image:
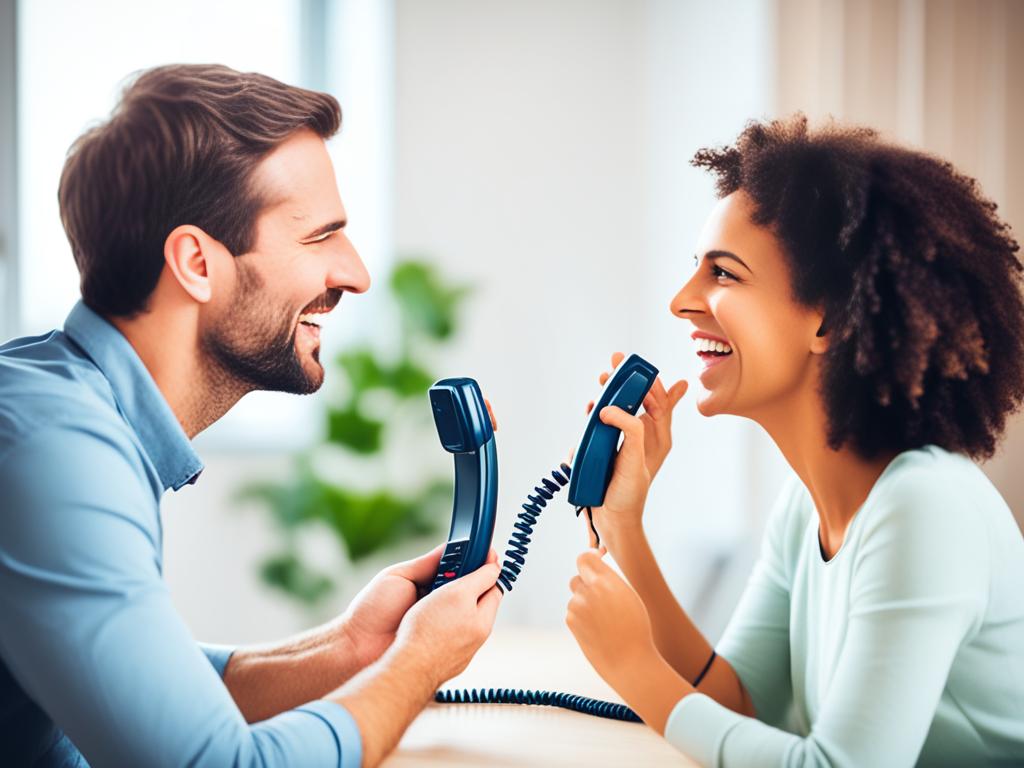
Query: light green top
x=907, y=647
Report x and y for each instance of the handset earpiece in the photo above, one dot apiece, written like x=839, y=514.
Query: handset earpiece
x=464, y=429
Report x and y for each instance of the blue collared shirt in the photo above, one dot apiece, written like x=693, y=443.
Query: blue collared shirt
x=95, y=663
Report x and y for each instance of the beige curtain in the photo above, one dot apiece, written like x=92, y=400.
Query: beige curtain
x=943, y=75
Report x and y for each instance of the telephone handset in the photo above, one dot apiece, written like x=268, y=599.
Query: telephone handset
x=594, y=459
x=463, y=427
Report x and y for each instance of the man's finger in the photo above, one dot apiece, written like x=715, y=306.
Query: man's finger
x=590, y=407
x=480, y=580
x=617, y=357
x=603, y=378
x=487, y=606
x=421, y=569
x=490, y=412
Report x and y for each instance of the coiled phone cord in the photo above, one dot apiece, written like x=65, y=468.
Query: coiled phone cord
x=546, y=698
x=519, y=543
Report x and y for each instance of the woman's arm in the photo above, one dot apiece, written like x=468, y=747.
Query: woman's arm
x=678, y=640
x=619, y=522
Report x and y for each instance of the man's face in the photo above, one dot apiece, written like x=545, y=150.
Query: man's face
x=262, y=330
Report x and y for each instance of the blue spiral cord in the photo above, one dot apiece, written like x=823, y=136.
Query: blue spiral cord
x=519, y=543
x=571, y=701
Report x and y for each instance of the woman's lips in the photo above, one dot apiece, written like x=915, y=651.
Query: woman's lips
x=711, y=362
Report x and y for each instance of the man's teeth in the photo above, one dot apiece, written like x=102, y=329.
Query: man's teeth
x=707, y=345
x=313, y=318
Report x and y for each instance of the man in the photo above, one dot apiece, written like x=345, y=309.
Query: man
x=205, y=221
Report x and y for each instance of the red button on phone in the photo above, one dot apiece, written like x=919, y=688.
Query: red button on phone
x=449, y=574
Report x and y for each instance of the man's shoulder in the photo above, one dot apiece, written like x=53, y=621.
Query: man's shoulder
x=47, y=385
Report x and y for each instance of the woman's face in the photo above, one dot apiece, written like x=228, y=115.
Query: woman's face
x=740, y=296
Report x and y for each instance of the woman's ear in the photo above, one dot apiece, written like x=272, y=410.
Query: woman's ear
x=186, y=255
x=819, y=344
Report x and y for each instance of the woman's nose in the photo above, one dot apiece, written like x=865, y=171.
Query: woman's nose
x=690, y=299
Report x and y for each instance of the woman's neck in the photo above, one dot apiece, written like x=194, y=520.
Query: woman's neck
x=838, y=481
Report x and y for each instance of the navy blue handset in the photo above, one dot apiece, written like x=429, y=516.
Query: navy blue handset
x=588, y=480
x=592, y=467
x=464, y=429
x=595, y=456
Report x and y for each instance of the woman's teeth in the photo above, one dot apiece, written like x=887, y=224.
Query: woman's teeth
x=708, y=345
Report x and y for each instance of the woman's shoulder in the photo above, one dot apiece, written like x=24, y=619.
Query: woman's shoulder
x=937, y=483
x=934, y=506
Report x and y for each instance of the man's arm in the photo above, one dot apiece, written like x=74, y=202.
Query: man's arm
x=436, y=640
x=90, y=632
x=267, y=680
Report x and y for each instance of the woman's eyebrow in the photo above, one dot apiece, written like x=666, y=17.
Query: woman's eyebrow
x=714, y=255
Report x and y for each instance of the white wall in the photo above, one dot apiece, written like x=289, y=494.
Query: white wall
x=542, y=151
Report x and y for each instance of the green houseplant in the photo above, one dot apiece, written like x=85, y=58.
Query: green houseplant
x=383, y=395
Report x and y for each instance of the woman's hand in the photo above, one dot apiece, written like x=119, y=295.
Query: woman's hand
x=656, y=418
x=608, y=620
x=613, y=630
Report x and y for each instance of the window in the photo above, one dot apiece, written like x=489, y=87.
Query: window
x=72, y=61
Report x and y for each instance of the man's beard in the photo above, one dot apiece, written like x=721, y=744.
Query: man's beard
x=255, y=350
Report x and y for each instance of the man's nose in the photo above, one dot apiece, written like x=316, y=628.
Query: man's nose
x=348, y=271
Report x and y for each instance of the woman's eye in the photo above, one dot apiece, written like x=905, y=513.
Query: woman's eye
x=719, y=272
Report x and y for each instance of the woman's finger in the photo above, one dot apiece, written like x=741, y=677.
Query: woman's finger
x=675, y=394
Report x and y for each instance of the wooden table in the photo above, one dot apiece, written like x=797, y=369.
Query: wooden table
x=497, y=735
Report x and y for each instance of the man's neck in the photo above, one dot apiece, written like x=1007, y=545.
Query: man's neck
x=197, y=390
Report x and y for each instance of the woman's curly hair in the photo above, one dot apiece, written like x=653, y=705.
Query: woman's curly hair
x=917, y=277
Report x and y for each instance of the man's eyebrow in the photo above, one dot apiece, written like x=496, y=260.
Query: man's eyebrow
x=714, y=255
x=334, y=226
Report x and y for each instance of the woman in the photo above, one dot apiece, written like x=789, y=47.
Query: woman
x=861, y=302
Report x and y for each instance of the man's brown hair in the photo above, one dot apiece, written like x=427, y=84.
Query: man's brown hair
x=180, y=148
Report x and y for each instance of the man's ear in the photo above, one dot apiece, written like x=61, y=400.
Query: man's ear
x=187, y=251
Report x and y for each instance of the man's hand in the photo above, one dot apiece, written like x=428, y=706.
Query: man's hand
x=373, y=616
x=435, y=641
x=448, y=626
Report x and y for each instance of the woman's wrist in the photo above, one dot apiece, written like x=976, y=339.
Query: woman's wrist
x=622, y=530
x=650, y=686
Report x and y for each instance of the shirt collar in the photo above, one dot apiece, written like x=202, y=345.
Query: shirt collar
x=137, y=395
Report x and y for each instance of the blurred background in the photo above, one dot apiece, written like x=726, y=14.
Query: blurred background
x=517, y=181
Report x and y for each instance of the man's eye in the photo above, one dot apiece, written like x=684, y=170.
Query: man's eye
x=719, y=272
x=319, y=239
